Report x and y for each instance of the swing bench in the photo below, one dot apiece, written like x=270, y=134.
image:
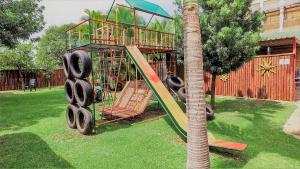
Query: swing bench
x=132, y=101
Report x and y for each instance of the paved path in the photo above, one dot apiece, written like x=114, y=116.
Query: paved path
x=292, y=126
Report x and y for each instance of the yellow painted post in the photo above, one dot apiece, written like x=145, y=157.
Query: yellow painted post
x=156, y=39
x=136, y=85
x=112, y=33
x=173, y=39
x=150, y=42
x=107, y=34
x=102, y=32
x=94, y=31
x=70, y=43
x=117, y=23
x=79, y=38
x=123, y=37
x=161, y=40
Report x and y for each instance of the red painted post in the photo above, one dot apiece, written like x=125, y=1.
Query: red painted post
x=294, y=67
x=294, y=46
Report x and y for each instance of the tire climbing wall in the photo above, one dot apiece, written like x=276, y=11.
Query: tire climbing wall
x=78, y=91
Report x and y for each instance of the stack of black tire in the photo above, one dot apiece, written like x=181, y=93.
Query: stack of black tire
x=177, y=85
x=78, y=91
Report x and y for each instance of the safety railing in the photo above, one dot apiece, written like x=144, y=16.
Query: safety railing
x=109, y=33
x=147, y=38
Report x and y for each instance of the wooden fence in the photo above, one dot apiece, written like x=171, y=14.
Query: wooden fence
x=10, y=79
x=249, y=81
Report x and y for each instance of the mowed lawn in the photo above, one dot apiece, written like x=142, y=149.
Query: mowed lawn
x=33, y=134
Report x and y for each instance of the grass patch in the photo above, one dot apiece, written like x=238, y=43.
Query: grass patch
x=34, y=134
x=259, y=124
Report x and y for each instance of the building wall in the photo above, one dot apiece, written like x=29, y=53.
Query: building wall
x=292, y=17
x=272, y=21
x=272, y=10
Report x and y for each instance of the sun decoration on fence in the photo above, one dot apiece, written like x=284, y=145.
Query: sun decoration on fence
x=267, y=67
x=224, y=77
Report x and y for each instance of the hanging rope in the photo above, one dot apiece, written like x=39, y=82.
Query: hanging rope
x=105, y=86
x=118, y=74
x=101, y=54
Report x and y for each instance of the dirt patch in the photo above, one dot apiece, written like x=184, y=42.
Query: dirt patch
x=69, y=135
x=292, y=126
x=56, y=137
x=150, y=115
x=180, y=140
x=233, y=156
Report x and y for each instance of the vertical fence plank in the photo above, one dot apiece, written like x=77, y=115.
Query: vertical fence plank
x=9, y=79
x=248, y=81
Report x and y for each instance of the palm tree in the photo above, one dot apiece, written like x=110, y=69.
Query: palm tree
x=163, y=26
x=197, y=151
x=93, y=14
x=125, y=16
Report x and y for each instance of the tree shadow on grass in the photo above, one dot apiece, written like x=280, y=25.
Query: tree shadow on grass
x=23, y=110
x=27, y=150
x=263, y=132
x=110, y=127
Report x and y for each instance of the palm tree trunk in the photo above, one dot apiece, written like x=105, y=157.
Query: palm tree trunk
x=213, y=91
x=197, y=150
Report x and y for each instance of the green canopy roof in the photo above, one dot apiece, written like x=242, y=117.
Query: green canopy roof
x=288, y=33
x=149, y=7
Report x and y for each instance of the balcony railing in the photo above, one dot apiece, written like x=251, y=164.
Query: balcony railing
x=147, y=38
x=108, y=33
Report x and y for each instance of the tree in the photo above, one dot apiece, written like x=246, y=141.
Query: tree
x=21, y=59
x=53, y=43
x=46, y=65
x=197, y=140
x=93, y=14
x=84, y=28
x=163, y=25
x=230, y=36
x=178, y=19
x=19, y=20
x=50, y=50
x=124, y=15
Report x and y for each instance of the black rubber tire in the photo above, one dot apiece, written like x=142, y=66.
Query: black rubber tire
x=66, y=65
x=84, y=121
x=85, y=69
x=175, y=83
x=209, y=113
x=181, y=94
x=70, y=91
x=71, y=113
x=83, y=93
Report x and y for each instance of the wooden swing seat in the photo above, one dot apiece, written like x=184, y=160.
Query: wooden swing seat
x=132, y=101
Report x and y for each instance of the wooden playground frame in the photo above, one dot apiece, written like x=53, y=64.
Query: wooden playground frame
x=106, y=40
x=137, y=49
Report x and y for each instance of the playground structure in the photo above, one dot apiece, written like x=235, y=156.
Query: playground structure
x=129, y=65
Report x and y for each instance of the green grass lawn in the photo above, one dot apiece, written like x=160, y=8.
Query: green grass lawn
x=33, y=134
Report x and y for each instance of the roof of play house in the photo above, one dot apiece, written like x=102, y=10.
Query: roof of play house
x=288, y=33
x=149, y=7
